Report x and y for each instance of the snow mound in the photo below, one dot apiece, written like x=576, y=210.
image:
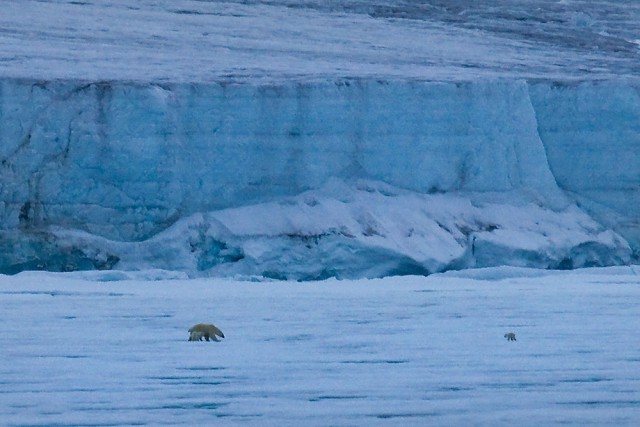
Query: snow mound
x=365, y=229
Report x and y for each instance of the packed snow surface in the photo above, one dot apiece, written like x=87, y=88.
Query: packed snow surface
x=107, y=348
x=283, y=39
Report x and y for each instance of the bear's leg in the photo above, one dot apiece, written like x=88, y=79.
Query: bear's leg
x=195, y=336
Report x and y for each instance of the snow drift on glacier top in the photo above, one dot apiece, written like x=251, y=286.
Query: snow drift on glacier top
x=284, y=39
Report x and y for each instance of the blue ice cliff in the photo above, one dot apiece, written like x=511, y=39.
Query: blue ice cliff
x=347, y=170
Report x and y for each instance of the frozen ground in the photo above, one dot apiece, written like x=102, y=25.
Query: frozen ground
x=110, y=348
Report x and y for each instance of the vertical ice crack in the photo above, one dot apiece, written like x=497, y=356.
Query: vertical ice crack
x=541, y=178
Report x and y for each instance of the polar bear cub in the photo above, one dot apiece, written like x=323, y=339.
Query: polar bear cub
x=510, y=336
x=207, y=331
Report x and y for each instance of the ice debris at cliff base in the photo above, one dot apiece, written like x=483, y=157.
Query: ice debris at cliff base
x=368, y=229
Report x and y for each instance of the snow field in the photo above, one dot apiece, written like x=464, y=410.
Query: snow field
x=396, y=351
x=161, y=40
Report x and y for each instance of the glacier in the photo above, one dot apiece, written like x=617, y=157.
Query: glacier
x=361, y=155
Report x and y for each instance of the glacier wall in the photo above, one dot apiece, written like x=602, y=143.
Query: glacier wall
x=102, y=156
x=124, y=162
x=591, y=133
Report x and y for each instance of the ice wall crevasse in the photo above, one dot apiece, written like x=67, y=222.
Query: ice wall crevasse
x=532, y=157
x=126, y=161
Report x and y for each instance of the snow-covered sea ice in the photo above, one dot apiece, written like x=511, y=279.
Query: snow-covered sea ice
x=105, y=349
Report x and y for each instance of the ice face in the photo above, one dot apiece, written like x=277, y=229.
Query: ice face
x=126, y=161
x=123, y=160
x=591, y=144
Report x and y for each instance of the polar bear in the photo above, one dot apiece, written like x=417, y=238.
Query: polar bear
x=510, y=336
x=207, y=331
